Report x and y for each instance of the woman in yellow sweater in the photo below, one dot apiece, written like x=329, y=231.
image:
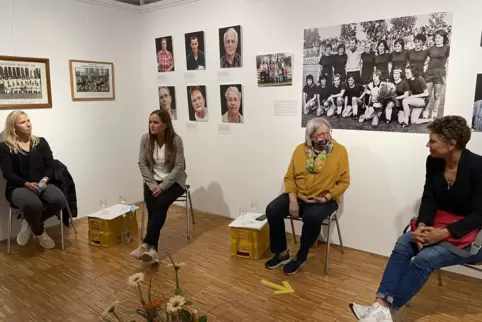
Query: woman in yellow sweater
x=317, y=176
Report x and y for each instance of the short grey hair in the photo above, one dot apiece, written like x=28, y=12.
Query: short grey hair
x=232, y=30
x=233, y=89
x=311, y=128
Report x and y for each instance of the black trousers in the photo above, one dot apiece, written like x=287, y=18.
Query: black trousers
x=38, y=208
x=312, y=215
x=157, y=211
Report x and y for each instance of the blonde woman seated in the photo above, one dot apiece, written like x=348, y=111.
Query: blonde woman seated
x=27, y=165
x=317, y=176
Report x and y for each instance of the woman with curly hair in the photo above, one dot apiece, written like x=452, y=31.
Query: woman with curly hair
x=449, y=219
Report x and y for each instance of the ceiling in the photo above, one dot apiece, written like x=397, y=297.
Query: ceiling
x=137, y=2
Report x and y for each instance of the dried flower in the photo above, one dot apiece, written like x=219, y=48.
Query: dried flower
x=154, y=304
x=135, y=279
x=110, y=308
x=175, y=303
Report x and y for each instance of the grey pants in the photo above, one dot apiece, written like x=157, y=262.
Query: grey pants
x=38, y=208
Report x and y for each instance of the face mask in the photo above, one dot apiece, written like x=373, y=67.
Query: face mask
x=321, y=140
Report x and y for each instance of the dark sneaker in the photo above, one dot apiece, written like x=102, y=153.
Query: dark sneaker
x=277, y=261
x=293, y=266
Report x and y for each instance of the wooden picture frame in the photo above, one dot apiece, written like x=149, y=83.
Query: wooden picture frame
x=91, y=80
x=24, y=83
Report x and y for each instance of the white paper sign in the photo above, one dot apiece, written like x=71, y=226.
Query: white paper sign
x=191, y=127
x=248, y=220
x=285, y=108
x=224, y=76
x=189, y=77
x=112, y=212
x=224, y=129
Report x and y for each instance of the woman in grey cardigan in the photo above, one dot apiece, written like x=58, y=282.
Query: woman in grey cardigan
x=162, y=166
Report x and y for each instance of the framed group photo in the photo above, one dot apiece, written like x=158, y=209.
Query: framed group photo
x=24, y=82
x=91, y=80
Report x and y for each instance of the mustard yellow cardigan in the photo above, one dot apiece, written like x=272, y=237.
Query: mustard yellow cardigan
x=334, y=177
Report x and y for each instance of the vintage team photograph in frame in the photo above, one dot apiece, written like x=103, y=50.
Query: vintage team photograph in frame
x=91, y=80
x=24, y=82
x=231, y=103
x=197, y=103
x=230, y=47
x=274, y=69
x=382, y=75
x=167, y=100
x=164, y=54
x=195, y=57
x=477, y=113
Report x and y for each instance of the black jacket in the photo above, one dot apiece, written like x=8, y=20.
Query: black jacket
x=63, y=180
x=463, y=198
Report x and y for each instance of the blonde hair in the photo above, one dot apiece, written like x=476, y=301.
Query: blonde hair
x=10, y=135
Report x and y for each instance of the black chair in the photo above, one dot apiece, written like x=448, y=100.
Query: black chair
x=332, y=218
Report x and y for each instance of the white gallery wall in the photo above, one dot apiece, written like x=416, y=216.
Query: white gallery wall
x=227, y=172
x=98, y=141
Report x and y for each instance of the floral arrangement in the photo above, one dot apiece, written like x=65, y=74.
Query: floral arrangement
x=160, y=309
x=387, y=92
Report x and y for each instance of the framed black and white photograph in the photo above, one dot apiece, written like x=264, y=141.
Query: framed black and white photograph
x=91, y=80
x=477, y=113
x=232, y=103
x=167, y=100
x=24, y=82
x=274, y=69
x=195, y=54
x=164, y=54
x=197, y=103
x=381, y=75
x=230, y=45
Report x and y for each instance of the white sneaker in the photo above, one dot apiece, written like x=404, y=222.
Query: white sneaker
x=45, y=241
x=372, y=313
x=24, y=234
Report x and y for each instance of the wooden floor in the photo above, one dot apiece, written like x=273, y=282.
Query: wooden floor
x=79, y=283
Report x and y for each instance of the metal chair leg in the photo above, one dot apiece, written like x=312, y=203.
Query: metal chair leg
x=293, y=230
x=70, y=216
x=328, y=241
x=188, y=195
x=440, y=280
x=62, y=228
x=188, y=219
x=141, y=236
x=9, y=245
x=339, y=233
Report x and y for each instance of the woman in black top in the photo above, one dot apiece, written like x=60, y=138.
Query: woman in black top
x=453, y=183
x=383, y=60
x=326, y=63
x=418, y=98
x=26, y=163
x=340, y=62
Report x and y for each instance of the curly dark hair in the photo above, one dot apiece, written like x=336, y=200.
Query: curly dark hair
x=452, y=128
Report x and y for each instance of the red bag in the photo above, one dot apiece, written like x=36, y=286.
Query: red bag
x=443, y=219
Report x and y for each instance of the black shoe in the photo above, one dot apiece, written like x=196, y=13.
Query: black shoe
x=277, y=261
x=293, y=266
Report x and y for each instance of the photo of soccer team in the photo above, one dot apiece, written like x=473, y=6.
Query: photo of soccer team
x=384, y=75
x=92, y=80
x=20, y=82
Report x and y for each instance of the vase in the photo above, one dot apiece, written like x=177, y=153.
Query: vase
x=176, y=317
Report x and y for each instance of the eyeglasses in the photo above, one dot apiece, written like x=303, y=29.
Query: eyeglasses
x=325, y=133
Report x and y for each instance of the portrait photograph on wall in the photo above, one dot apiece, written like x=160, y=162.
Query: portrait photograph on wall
x=232, y=103
x=91, y=80
x=477, y=113
x=380, y=75
x=164, y=54
x=197, y=103
x=24, y=82
x=274, y=69
x=167, y=100
x=230, y=45
x=195, y=54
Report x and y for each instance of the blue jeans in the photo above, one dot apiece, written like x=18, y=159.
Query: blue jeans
x=408, y=269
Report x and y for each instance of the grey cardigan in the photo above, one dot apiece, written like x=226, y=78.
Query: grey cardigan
x=176, y=174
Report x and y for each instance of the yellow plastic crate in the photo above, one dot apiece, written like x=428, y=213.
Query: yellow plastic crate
x=107, y=233
x=249, y=243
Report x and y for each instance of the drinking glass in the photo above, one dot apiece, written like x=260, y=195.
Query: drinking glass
x=243, y=213
x=254, y=206
x=103, y=203
x=122, y=200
